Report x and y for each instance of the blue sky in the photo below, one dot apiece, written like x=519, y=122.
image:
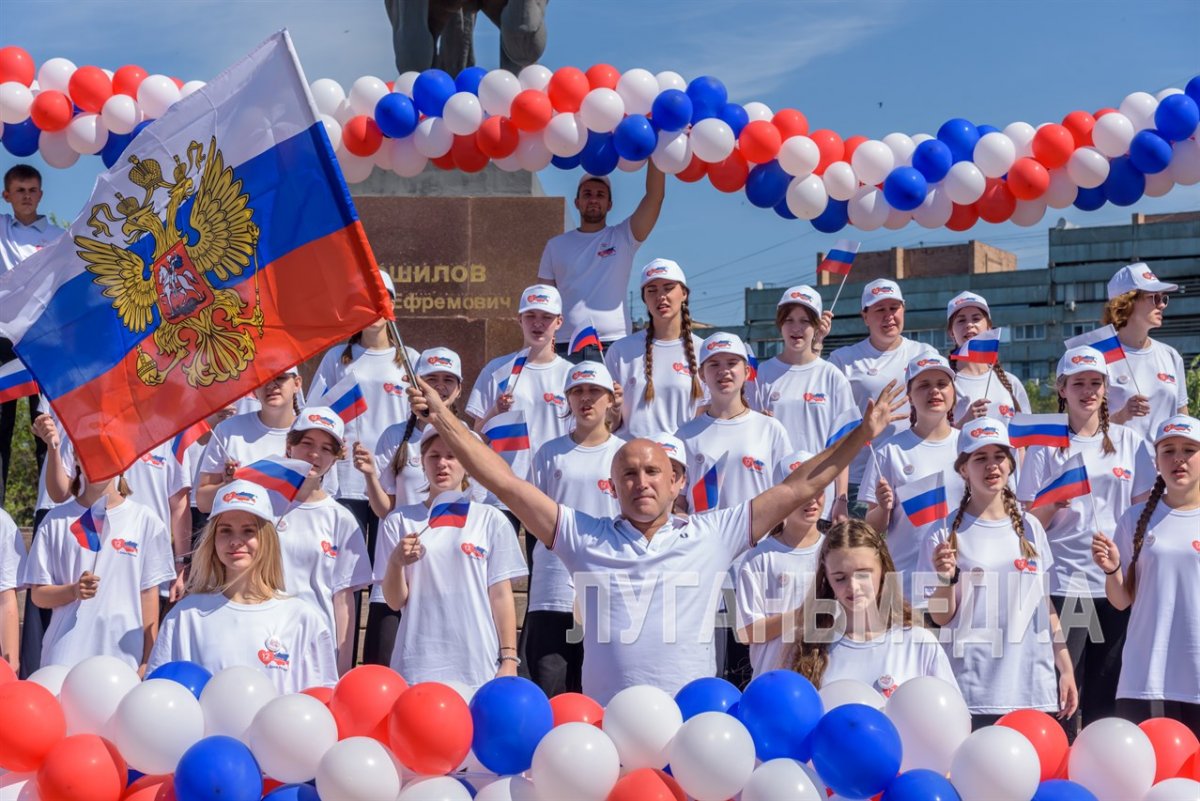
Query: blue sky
x=865, y=68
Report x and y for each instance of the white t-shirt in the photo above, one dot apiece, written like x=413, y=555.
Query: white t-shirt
x=591, y=272
x=889, y=660
x=19, y=241
x=808, y=399
x=409, y=485
x=12, y=554
x=156, y=477
x=1159, y=373
x=135, y=555
x=673, y=404
x=284, y=637
x=1161, y=658
x=581, y=478
x=243, y=438
x=754, y=443
x=648, y=606
x=970, y=388
x=384, y=387
x=773, y=580
x=323, y=553
x=1115, y=480
x=999, y=641
x=869, y=370
x=447, y=632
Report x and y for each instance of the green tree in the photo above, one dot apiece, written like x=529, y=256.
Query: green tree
x=1193, y=387
x=20, y=498
x=1043, y=397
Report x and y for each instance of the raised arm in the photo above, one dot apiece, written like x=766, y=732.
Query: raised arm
x=646, y=215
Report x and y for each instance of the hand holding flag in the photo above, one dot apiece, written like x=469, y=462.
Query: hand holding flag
x=1048, y=430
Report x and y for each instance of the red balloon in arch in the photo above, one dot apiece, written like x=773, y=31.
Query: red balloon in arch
x=647, y=784
x=1028, y=179
x=1045, y=735
x=442, y=162
x=576, y=708
x=84, y=767
x=1080, y=124
x=694, y=171
x=759, y=141
x=51, y=110
x=729, y=175
x=127, y=79
x=603, y=76
x=830, y=146
x=790, y=122
x=997, y=203
x=1174, y=744
x=363, y=697
x=567, y=88
x=850, y=146
x=361, y=135
x=90, y=87
x=33, y=724
x=467, y=155
x=16, y=65
x=1053, y=144
x=531, y=110
x=497, y=137
x=962, y=217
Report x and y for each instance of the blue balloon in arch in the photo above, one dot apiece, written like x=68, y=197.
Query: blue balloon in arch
x=1176, y=117
x=984, y=130
x=1125, y=183
x=218, y=767
x=1149, y=152
x=708, y=97
x=856, y=750
x=905, y=188
x=920, y=785
x=396, y=115
x=960, y=136
x=1062, y=790
x=599, y=155
x=780, y=708
x=21, y=138
x=113, y=149
x=189, y=674
x=634, y=138
x=933, y=159
x=767, y=184
x=1192, y=90
x=293, y=792
x=431, y=90
x=834, y=218
x=710, y=693
x=1090, y=199
x=566, y=162
x=735, y=117
x=511, y=716
x=781, y=208
x=469, y=79
x=672, y=110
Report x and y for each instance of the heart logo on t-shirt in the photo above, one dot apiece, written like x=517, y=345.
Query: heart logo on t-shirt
x=1021, y=564
x=265, y=656
x=1196, y=545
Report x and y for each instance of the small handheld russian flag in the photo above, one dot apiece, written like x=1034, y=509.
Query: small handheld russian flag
x=518, y=364
x=924, y=500
x=449, y=509
x=981, y=349
x=1049, y=430
x=88, y=530
x=1071, y=483
x=507, y=432
x=1103, y=339
x=706, y=492
x=277, y=474
x=840, y=259
x=16, y=382
x=346, y=398
x=187, y=437
x=751, y=366
x=587, y=335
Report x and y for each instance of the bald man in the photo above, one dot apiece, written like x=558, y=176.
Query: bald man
x=647, y=582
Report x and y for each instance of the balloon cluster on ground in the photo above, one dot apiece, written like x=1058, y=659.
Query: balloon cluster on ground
x=97, y=733
x=604, y=120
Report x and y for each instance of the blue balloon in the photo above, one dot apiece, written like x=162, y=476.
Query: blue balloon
x=511, y=716
x=780, y=708
x=735, y=117
x=566, y=162
x=218, y=768
x=920, y=785
x=599, y=155
x=189, y=674
x=709, y=694
x=1062, y=790
x=1192, y=89
x=933, y=159
x=1149, y=152
x=132, y=776
x=856, y=750
x=834, y=218
x=1125, y=183
x=141, y=126
x=781, y=208
x=114, y=147
x=672, y=110
x=767, y=184
x=708, y=96
x=1089, y=199
x=984, y=130
x=1176, y=117
x=635, y=138
x=431, y=91
x=960, y=136
x=293, y=792
x=469, y=79
x=21, y=138
x=396, y=115
x=905, y=188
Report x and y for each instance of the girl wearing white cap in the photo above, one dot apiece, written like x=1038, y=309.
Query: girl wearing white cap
x=1151, y=384
x=1120, y=470
x=1153, y=566
x=983, y=390
x=236, y=612
x=1004, y=637
x=576, y=470
x=657, y=367
x=322, y=546
x=453, y=582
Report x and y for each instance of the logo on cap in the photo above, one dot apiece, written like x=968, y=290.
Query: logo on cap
x=927, y=362
x=720, y=344
x=985, y=431
x=320, y=420
x=440, y=361
x=814, y=397
x=965, y=299
x=882, y=290
x=656, y=270
x=239, y=497
x=580, y=374
x=1083, y=358
x=801, y=296
x=536, y=298
x=1181, y=428
x=1149, y=276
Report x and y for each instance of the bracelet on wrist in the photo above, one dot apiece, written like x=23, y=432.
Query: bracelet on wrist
x=508, y=658
x=1114, y=570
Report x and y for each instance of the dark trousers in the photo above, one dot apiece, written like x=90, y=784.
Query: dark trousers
x=380, y=635
x=1095, y=637
x=37, y=620
x=1137, y=711
x=553, y=663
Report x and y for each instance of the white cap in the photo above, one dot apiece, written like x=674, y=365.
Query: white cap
x=1137, y=277
x=439, y=360
x=673, y=445
x=590, y=373
x=663, y=269
x=540, y=297
x=788, y=464
x=980, y=433
x=243, y=496
x=320, y=418
x=926, y=362
x=881, y=289
x=964, y=299
x=388, y=283
x=722, y=342
x=1178, y=426
x=805, y=296
x=429, y=432
x=1084, y=359
x=583, y=179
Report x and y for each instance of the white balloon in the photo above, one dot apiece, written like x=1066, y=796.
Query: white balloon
x=190, y=87
x=120, y=114
x=1021, y=134
x=55, y=73
x=509, y=788
x=232, y=697
x=327, y=95
x=532, y=153
x=868, y=210
x=673, y=153
x=15, y=100
x=155, y=723
x=496, y=92
x=1087, y=167
x=921, y=137
x=404, y=83
x=1174, y=790
x=850, y=691
x=565, y=135
x=712, y=140
x=344, y=112
x=758, y=111
x=1112, y=134
x=365, y=93
x=806, y=197
x=1159, y=183
x=535, y=76
x=432, y=137
x=508, y=163
x=434, y=788
x=333, y=130
x=624, y=165
x=799, y=156
x=289, y=736
x=1170, y=90
x=996, y=763
x=872, y=161
x=712, y=756
x=637, y=88
x=1029, y=212
x=1184, y=168
x=358, y=769
x=935, y=210
x=575, y=760
x=902, y=147
x=994, y=154
x=602, y=110
x=932, y=719
x=407, y=161
x=1113, y=758
x=23, y=786
x=156, y=94
x=641, y=720
x=1062, y=191
x=964, y=183
x=1139, y=107
x=896, y=220
x=668, y=79
x=91, y=692
x=86, y=134
x=782, y=780
x=56, y=149
x=462, y=113
x=840, y=180
x=51, y=677
x=355, y=169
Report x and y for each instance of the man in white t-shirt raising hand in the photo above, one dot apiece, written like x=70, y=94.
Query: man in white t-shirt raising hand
x=647, y=582
x=590, y=265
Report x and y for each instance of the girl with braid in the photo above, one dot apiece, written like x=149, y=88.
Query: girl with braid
x=657, y=368
x=983, y=390
x=1153, y=565
x=1120, y=470
x=1002, y=633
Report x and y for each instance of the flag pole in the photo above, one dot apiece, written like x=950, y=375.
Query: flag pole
x=838, y=294
x=404, y=360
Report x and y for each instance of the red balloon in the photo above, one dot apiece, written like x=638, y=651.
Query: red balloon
x=363, y=697
x=127, y=79
x=1045, y=735
x=850, y=146
x=646, y=784
x=6, y=672
x=16, y=65
x=51, y=110
x=322, y=694
x=759, y=141
x=443, y=162
x=576, y=708
x=729, y=175
x=84, y=767
x=156, y=788
x=178, y=82
x=269, y=784
x=1190, y=768
x=1174, y=744
x=467, y=155
x=1080, y=124
x=1104, y=111
x=497, y=137
x=694, y=171
x=33, y=724
x=790, y=122
x=90, y=87
x=1053, y=144
x=830, y=146
x=567, y=88
x=531, y=110
x=963, y=217
x=1028, y=179
x=997, y=203
x=430, y=729
x=603, y=76
x=361, y=135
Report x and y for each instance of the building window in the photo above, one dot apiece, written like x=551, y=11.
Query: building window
x=1025, y=333
x=934, y=337
x=1077, y=329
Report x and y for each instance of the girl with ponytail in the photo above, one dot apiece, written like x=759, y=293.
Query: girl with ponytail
x=984, y=390
x=1002, y=633
x=1152, y=567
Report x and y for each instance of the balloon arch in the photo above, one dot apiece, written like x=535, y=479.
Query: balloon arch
x=605, y=120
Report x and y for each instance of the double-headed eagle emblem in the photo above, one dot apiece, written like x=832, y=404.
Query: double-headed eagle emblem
x=195, y=318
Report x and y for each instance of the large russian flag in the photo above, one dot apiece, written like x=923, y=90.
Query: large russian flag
x=222, y=249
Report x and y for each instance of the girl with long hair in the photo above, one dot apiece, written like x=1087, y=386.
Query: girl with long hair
x=983, y=390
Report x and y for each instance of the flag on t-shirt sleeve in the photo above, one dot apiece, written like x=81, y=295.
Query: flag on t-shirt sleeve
x=706, y=492
x=89, y=529
x=1072, y=482
x=840, y=259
